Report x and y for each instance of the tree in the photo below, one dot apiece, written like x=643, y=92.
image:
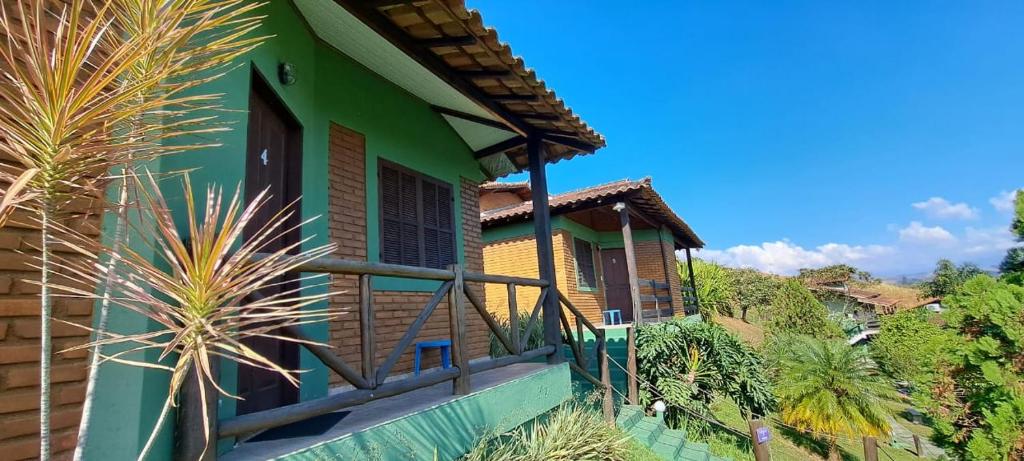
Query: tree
x=909, y=346
x=1017, y=226
x=948, y=278
x=1013, y=261
x=753, y=290
x=830, y=388
x=978, y=400
x=796, y=311
x=835, y=273
x=714, y=287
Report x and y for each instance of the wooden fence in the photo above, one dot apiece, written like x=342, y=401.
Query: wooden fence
x=370, y=381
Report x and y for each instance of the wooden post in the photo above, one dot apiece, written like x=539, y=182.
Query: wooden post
x=545, y=247
x=607, y=406
x=759, y=439
x=633, y=392
x=367, y=340
x=191, y=439
x=634, y=278
x=513, y=319
x=918, y=449
x=693, y=280
x=457, y=320
x=870, y=449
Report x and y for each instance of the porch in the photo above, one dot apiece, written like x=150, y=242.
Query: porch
x=415, y=424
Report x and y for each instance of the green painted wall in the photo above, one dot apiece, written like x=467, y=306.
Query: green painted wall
x=330, y=87
x=452, y=428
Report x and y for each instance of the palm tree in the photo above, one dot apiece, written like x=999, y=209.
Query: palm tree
x=827, y=387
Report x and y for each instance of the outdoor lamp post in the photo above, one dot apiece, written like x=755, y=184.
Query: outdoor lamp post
x=659, y=409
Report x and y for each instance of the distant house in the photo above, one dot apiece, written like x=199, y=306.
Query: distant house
x=614, y=248
x=866, y=303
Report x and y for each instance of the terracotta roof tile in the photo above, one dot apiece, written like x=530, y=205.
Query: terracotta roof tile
x=641, y=192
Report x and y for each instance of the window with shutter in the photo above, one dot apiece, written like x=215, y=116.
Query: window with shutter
x=586, y=275
x=417, y=218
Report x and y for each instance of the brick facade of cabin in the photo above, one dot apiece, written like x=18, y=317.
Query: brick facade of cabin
x=394, y=310
x=518, y=256
x=19, y=349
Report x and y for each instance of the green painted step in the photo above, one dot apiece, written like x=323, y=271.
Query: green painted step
x=668, y=444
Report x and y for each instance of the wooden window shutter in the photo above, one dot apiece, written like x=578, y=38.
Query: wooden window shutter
x=586, y=275
x=417, y=219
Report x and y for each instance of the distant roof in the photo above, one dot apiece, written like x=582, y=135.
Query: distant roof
x=874, y=298
x=451, y=41
x=640, y=192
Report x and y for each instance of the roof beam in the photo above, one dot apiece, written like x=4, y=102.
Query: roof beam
x=570, y=142
x=515, y=97
x=369, y=15
x=485, y=73
x=464, y=40
x=542, y=116
x=470, y=117
x=500, y=147
x=383, y=3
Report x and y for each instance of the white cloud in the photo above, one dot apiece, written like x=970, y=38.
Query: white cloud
x=1003, y=201
x=784, y=257
x=939, y=207
x=917, y=233
x=988, y=240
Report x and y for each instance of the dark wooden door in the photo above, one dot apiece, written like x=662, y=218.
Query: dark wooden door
x=616, y=282
x=272, y=162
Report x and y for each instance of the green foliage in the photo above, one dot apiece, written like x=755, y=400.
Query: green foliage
x=910, y=345
x=835, y=273
x=571, y=432
x=796, y=311
x=1017, y=226
x=948, y=278
x=978, y=400
x=688, y=364
x=1013, y=261
x=535, y=340
x=828, y=387
x=753, y=290
x=714, y=287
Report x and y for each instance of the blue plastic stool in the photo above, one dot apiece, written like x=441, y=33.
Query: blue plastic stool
x=612, y=317
x=446, y=353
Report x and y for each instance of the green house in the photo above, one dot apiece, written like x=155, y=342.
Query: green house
x=384, y=117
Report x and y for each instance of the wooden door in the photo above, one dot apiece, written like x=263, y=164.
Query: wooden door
x=616, y=282
x=273, y=161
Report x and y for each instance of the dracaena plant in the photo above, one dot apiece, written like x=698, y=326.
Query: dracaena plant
x=210, y=289
x=88, y=90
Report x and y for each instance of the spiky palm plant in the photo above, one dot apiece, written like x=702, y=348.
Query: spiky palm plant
x=92, y=87
x=827, y=387
x=208, y=295
x=199, y=41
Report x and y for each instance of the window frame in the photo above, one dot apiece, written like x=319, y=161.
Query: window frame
x=593, y=265
x=421, y=224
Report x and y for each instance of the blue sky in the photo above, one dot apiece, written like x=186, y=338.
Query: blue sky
x=793, y=134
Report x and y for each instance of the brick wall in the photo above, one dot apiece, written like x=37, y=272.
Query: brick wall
x=518, y=256
x=19, y=350
x=652, y=258
x=394, y=310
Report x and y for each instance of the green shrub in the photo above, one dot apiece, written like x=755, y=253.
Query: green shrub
x=909, y=346
x=570, y=433
x=689, y=364
x=535, y=340
x=796, y=311
x=714, y=287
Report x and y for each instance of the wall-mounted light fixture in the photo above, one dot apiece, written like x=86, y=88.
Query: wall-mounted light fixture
x=286, y=73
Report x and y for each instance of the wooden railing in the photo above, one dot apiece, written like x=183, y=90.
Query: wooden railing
x=578, y=346
x=660, y=297
x=370, y=380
